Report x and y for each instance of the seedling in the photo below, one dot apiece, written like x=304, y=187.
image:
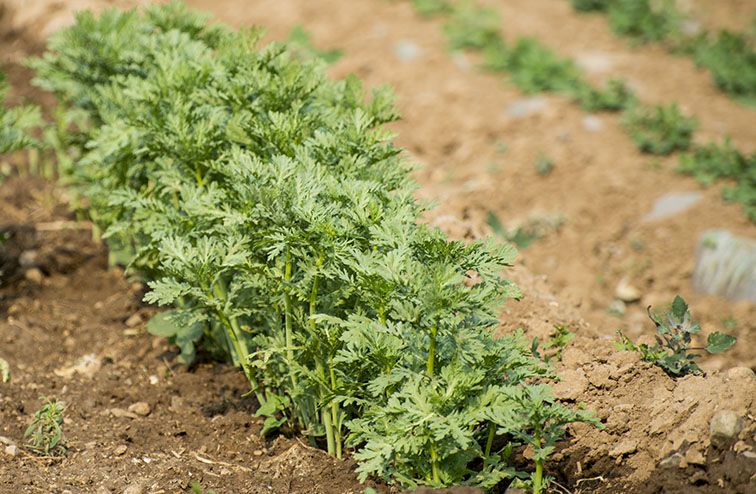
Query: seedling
x=590, y=5
x=300, y=43
x=197, y=489
x=473, y=27
x=731, y=58
x=45, y=433
x=432, y=7
x=616, y=96
x=552, y=349
x=674, y=334
x=644, y=20
x=659, y=129
x=714, y=162
x=15, y=123
x=544, y=165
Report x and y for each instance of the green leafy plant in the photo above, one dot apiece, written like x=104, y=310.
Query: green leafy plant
x=300, y=44
x=731, y=58
x=714, y=162
x=15, y=123
x=555, y=345
x=590, y=5
x=471, y=26
x=615, y=96
x=659, y=129
x=544, y=165
x=197, y=489
x=432, y=7
x=45, y=433
x=674, y=334
x=644, y=20
x=265, y=204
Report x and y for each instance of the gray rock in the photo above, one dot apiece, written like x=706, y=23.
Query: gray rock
x=671, y=204
x=28, y=259
x=726, y=265
x=592, y=123
x=407, y=51
x=724, y=427
x=596, y=62
x=526, y=106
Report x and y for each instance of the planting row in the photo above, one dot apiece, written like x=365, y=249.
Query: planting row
x=657, y=130
x=264, y=203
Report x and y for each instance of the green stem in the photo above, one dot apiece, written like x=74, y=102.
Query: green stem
x=432, y=351
x=489, y=442
x=329, y=431
x=287, y=323
x=335, y=409
x=538, y=478
x=434, y=464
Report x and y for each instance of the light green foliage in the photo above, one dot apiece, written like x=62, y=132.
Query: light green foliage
x=45, y=433
x=714, y=162
x=590, y=5
x=471, y=26
x=300, y=45
x=265, y=203
x=544, y=165
x=197, y=489
x=644, y=20
x=528, y=231
x=615, y=96
x=674, y=334
x=533, y=67
x=660, y=129
x=432, y=7
x=15, y=123
x=731, y=58
x=553, y=347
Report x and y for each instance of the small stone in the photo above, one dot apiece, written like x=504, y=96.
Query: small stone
x=525, y=107
x=627, y=292
x=28, y=259
x=624, y=447
x=177, y=403
x=6, y=440
x=407, y=50
x=119, y=450
x=724, y=427
x=257, y=452
x=671, y=461
x=134, y=489
x=11, y=450
x=134, y=321
x=726, y=265
x=34, y=275
x=121, y=413
x=592, y=123
x=154, y=380
x=140, y=408
x=695, y=457
x=671, y=204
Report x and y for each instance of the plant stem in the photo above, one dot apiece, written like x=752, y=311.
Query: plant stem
x=329, y=431
x=287, y=323
x=538, y=478
x=432, y=351
x=434, y=464
x=489, y=442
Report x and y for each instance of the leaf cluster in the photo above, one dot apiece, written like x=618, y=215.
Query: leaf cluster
x=714, y=162
x=15, y=123
x=731, y=59
x=674, y=334
x=660, y=129
x=264, y=203
x=45, y=433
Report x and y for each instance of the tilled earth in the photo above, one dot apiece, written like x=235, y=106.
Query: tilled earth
x=73, y=329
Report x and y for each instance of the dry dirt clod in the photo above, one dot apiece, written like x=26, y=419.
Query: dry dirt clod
x=11, y=450
x=724, y=427
x=571, y=384
x=119, y=450
x=134, y=320
x=627, y=292
x=34, y=275
x=624, y=447
x=140, y=408
x=134, y=489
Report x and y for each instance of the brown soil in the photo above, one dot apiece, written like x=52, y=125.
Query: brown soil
x=656, y=436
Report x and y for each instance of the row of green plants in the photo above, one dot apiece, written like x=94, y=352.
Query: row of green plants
x=729, y=56
x=655, y=129
x=266, y=206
